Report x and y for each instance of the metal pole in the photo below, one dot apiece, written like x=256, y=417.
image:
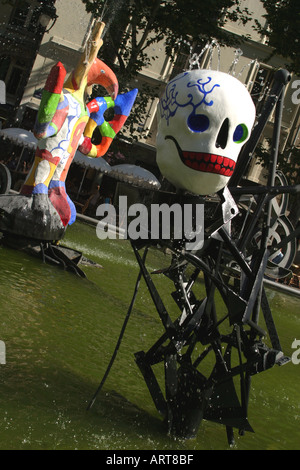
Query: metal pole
x=281, y=78
x=81, y=183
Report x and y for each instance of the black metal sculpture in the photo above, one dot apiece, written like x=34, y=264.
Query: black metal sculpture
x=191, y=394
x=206, y=348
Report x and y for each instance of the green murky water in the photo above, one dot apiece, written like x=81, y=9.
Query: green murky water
x=60, y=332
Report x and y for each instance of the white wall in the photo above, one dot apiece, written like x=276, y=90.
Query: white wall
x=257, y=10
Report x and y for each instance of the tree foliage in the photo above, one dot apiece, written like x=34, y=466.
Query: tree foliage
x=288, y=160
x=136, y=27
x=283, y=30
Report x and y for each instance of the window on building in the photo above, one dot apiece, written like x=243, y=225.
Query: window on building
x=12, y=71
x=25, y=15
x=16, y=73
x=181, y=63
x=4, y=66
x=19, y=14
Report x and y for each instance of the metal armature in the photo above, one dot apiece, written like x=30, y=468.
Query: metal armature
x=214, y=346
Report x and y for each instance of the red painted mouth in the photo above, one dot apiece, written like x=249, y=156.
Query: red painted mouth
x=205, y=162
x=208, y=163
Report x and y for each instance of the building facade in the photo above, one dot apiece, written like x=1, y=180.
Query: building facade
x=254, y=64
x=34, y=35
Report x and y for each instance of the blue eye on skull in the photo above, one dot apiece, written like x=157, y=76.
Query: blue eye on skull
x=198, y=122
x=240, y=134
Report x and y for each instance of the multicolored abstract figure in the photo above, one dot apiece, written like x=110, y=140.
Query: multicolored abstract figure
x=43, y=209
x=204, y=118
x=97, y=107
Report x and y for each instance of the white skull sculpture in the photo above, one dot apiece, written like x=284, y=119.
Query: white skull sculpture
x=204, y=118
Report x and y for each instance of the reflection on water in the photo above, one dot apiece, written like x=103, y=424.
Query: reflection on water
x=60, y=332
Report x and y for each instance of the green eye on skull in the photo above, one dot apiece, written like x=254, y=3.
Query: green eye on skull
x=240, y=134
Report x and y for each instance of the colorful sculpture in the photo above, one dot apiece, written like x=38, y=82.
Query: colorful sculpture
x=205, y=117
x=97, y=107
x=43, y=209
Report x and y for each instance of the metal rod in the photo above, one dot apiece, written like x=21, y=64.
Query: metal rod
x=120, y=337
x=281, y=78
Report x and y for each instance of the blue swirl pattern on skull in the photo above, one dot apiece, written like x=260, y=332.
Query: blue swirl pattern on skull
x=173, y=100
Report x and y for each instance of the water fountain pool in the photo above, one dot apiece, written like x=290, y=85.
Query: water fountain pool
x=60, y=331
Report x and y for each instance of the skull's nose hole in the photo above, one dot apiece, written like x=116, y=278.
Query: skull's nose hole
x=223, y=135
x=198, y=122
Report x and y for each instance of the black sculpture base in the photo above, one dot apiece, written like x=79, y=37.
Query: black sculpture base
x=192, y=394
x=215, y=345
x=53, y=253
